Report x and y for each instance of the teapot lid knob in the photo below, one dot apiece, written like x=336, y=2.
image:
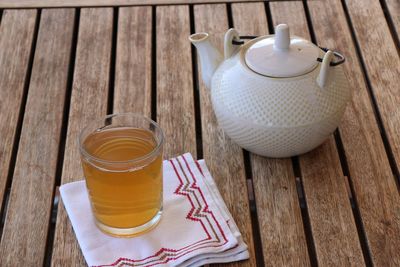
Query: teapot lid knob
x=282, y=37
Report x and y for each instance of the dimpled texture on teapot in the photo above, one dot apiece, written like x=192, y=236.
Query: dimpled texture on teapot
x=279, y=142
x=283, y=115
x=278, y=102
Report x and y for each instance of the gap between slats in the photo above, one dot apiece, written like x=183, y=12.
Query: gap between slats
x=153, y=64
x=61, y=149
x=3, y=210
x=345, y=169
x=354, y=206
x=392, y=28
x=378, y=116
x=253, y=210
x=196, y=92
x=304, y=212
x=111, y=80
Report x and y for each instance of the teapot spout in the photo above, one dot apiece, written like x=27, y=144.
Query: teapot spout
x=210, y=57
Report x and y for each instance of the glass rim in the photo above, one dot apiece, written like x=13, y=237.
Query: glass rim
x=85, y=153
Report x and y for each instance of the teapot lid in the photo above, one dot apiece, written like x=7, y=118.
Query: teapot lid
x=282, y=56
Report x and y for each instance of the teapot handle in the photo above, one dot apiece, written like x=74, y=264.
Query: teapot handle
x=326, y=64
x=336, y=54
x=230, y=37
x=324, y=71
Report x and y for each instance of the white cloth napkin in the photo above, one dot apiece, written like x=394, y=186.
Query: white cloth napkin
x=196, y=227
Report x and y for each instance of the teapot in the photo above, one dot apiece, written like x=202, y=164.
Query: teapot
x=275, y=95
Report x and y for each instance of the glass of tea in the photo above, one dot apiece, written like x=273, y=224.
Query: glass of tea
x=121, y=157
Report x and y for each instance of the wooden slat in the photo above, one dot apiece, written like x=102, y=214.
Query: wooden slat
x=87, y=3
x=278, y=209
x=282, y=235
x=14, y=58
x=373, y=183
x=88, y=102
x=394, y=10
x=332, y=223
x=175, y=106
x=132, y=92
x=291, y=13
x=223, y=157
x=382, y=64
x=26, y=227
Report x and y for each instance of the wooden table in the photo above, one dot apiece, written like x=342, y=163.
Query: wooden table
x=62, y=67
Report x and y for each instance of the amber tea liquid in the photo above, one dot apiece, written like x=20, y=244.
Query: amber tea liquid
x=123, y=195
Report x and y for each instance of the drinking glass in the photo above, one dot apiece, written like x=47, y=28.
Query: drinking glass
x=121, y=157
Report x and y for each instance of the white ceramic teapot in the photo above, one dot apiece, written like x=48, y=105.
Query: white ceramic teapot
x=276, y=95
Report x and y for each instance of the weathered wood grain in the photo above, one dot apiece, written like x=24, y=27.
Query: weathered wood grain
x=394, y=10
x=281, y=227
x=88, y=102
x=332, y=222
x=26, y=226
x=175, y=105
x=224, y=158
x=291, y=13
x=372, y=180
x=14, y=57
x=278, y=208
x=132, y=92
x=246, y=24
x=87, y=3
x=382, y=64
